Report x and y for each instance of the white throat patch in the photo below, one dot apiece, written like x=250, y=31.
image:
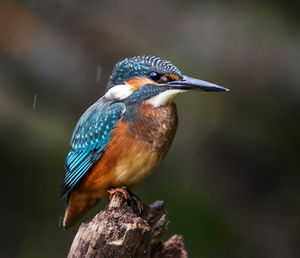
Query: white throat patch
x=164, y=98
x=119, y=92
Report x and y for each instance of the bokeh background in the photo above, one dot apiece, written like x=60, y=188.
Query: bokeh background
x=231, y=180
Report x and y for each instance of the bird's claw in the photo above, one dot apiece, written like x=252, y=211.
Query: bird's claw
x=138, y=204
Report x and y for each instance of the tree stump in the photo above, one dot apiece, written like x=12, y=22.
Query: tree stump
x=117, y=231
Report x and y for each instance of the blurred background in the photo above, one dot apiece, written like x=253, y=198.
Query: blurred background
x=231, y=179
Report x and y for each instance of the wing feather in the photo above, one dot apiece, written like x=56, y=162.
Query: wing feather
x=90, y=137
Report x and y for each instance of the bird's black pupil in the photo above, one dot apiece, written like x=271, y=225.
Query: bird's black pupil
x=154, y=76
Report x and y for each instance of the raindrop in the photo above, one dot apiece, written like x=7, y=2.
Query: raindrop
x=34, y=101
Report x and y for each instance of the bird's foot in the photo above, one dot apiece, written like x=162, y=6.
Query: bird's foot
x=113, y=190
x=128, y=195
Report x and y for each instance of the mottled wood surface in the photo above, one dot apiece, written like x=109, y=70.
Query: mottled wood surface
x=117, y=231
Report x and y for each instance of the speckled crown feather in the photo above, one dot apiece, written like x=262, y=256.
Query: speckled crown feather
x=140, y=66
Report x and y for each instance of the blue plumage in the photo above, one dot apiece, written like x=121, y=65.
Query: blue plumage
x=91, y=134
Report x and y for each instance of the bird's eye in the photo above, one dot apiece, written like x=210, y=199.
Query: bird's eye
x=154, y=76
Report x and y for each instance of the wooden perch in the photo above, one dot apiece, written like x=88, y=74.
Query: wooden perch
x=117, y=231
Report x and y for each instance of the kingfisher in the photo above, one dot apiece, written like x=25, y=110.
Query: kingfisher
x=123, y=136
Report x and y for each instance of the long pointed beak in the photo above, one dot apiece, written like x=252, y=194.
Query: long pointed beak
x=189, y=83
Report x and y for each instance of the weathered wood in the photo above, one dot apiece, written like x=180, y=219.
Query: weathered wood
x=117, y=231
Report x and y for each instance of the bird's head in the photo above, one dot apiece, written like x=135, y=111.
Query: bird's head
x=151, y=79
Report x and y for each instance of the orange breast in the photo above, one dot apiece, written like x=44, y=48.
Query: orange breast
x=125, y=162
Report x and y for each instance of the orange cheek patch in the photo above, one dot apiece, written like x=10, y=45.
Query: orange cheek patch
x=137, y=82
x=173, y=77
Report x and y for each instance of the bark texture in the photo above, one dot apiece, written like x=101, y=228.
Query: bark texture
x=117, y=231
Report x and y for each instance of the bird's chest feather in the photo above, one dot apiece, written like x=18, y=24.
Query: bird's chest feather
x=149, y=134
x=154, y=126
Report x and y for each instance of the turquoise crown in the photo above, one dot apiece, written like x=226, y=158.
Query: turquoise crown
x=140, y=66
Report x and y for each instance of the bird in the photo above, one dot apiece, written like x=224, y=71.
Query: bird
x=123, y=136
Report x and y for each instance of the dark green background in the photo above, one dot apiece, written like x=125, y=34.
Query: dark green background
x=231, y=179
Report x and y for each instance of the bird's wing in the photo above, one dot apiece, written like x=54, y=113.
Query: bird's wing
x=91, y=135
